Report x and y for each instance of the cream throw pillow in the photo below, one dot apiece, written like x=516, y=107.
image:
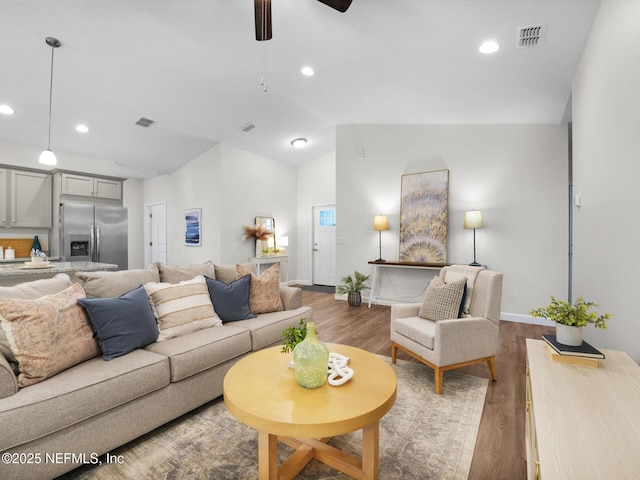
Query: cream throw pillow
x=48, y=335
x=442, y=301
x=181, y=308
x=264, y=294
x=459, y=272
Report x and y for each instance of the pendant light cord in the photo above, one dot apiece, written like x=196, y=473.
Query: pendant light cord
x=50, y=98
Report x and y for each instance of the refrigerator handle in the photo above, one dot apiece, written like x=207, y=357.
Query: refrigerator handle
x=97, y=243
x=92, y=245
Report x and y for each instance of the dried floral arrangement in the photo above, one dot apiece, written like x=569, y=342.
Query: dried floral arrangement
x=259, y=232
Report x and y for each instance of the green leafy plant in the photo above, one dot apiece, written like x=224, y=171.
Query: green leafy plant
x=352, y=284
x=293, y=335
x=576, y=315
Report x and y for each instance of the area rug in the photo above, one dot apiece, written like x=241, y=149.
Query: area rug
x=424, y=436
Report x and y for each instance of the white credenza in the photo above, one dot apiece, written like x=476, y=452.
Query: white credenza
x=582, y=422
x=269, y=260
x=374, y=295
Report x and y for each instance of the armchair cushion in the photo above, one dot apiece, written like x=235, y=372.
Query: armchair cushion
x=417, y=329
x=443, y=300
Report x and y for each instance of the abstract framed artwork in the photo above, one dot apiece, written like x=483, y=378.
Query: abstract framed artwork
x=193, y=227
x=424, y=217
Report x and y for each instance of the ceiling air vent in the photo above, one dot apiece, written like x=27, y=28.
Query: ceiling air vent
x=530, y=36
x=248, y=127
x=145, y=122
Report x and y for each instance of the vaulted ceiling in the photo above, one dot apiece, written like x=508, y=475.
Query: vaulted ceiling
x=195, y=69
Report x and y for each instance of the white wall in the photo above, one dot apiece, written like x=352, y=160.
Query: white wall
x=516, y=174
x=196, y=185
x=316, y=186
x=606, y=132
x=232, y=187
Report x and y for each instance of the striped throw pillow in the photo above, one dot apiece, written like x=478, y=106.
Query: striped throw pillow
x=181, y=308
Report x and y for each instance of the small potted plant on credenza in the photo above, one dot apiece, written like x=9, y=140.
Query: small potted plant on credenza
x=571, y=318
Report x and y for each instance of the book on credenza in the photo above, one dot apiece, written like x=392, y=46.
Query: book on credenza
x=585, y=350
x=572, y=359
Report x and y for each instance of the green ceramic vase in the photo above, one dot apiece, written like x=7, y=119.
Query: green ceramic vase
x=311, y=359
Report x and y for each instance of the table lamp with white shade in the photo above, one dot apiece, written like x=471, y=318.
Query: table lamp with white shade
x=380, y=224
x=473, y=219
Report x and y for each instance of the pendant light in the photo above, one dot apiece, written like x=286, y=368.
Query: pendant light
x=47, y=157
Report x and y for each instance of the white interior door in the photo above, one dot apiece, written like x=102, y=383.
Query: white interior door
x=324, y=245
x=157, y=246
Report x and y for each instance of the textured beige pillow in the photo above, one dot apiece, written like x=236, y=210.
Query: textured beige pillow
x=114, y=284
x=48, y=335
x=264, y=294
x=186, y=272
x=182, y=308
x=30, y=290
x=442, y=301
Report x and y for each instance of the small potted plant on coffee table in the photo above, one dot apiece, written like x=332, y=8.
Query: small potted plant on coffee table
x=293, y=335
x=571, y=318
x=352, y=287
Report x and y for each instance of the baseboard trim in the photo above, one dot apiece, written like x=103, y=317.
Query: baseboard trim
x=515, y=317
x=509, y=317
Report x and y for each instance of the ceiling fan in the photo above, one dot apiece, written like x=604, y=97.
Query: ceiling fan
x=263, y=15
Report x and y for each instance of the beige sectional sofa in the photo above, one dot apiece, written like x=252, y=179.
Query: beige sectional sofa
x=85, y=411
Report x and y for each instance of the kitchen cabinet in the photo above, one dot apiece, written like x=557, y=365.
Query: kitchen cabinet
x=25, y=198
x=89, y=186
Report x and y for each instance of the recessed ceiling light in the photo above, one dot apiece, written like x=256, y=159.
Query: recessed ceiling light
x=489, y=47
x=308, y=71
x=299, y=142
x=6, y=110
x=82, y=128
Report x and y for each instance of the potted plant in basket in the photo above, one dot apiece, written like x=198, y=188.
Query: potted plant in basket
x=352, y=287
x=571, y=318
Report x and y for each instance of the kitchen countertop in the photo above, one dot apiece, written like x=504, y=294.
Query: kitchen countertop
x=18, y=269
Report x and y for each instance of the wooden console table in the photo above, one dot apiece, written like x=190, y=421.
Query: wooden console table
x=582, y=422
x=375, y=282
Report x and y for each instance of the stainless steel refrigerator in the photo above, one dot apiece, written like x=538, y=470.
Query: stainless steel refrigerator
x=93, y=233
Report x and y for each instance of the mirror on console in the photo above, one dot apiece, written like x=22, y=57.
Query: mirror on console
x=268, y=246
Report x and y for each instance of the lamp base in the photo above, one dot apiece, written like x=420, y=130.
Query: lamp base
x=475, y=264
x=380, y=260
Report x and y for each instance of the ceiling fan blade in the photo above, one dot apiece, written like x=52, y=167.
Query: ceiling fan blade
x=263, y=19
x=340, y=5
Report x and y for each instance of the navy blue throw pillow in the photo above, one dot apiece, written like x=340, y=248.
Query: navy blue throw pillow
x=231, y=300
x=122, y=324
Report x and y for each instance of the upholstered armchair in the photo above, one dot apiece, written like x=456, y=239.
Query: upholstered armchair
x=448, y=343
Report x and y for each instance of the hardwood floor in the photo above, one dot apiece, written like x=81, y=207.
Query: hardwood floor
x=500, y=449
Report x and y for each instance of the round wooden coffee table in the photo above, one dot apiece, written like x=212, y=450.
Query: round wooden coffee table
x=261, y=391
